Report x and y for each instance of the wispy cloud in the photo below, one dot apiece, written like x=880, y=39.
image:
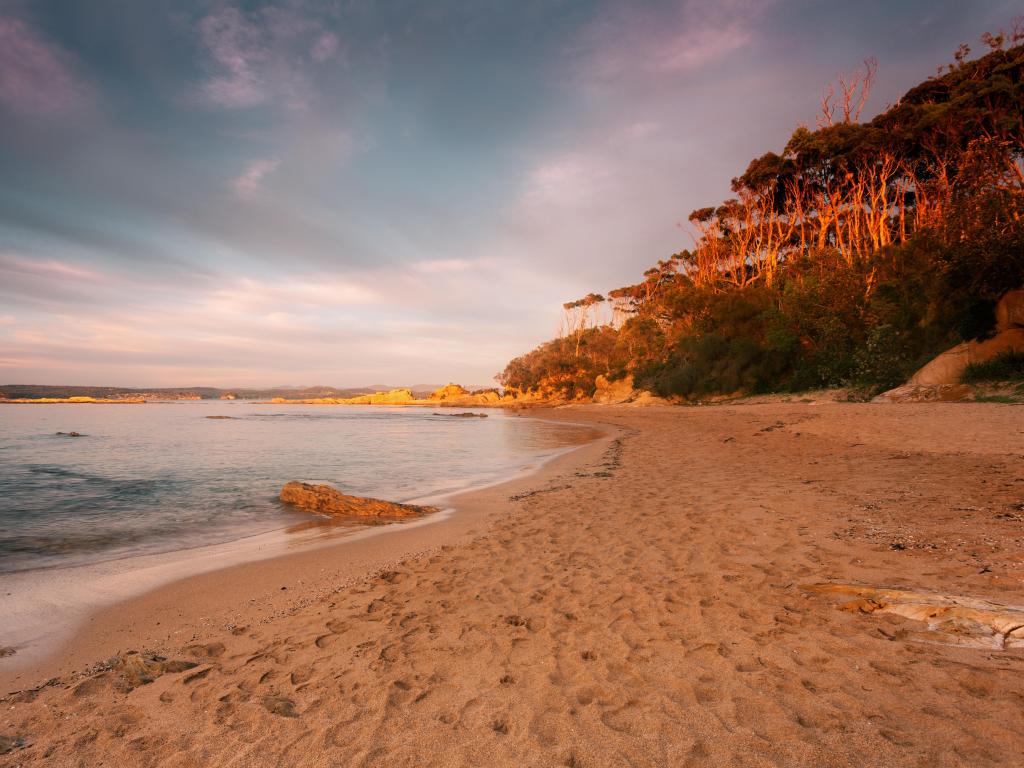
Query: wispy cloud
x=325, y=47
x=12, y=265
x=249, y=184
x=628, y=41
x=442, y=266
x=37, y=77
x=255, y=57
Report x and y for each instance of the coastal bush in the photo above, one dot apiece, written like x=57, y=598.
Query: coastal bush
x=1006, y=367
x=850, y=259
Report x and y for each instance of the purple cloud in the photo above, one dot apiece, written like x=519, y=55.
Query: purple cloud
x=250, y=183
x=237, y=49
x=37, y=77
x=262, y=56
x=627, y=42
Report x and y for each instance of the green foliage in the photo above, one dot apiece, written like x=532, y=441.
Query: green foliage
x=1006, y=367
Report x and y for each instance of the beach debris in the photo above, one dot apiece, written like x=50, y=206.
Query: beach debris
x=6, y=650
x=137, y=669
x=325, y=500
x=950, y=619
x=465, y=415
x=279, y=705
x=208, y=651
x=10, y=743
x=221, y=417
x=127, y=671
x=71, y=434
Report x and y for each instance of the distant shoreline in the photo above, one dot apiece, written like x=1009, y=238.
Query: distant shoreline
x=74, y=401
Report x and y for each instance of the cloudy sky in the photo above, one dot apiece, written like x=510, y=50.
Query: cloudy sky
x=350, y=192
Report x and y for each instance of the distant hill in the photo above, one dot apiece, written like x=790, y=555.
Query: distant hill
x=13, y=391
x=35, y=391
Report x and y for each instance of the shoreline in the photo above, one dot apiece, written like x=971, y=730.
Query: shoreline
x=112, y=624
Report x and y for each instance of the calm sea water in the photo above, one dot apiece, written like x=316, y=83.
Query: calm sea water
x=161, y=476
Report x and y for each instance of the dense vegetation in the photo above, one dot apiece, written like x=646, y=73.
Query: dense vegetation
x=849, y=259
x=1008, y=366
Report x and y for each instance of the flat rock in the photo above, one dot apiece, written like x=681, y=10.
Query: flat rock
x=325, y=500
x=950, y=619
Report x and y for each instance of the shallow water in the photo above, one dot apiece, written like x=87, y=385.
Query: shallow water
x=161, y=476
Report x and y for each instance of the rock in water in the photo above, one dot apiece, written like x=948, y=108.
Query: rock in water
x=325, y=500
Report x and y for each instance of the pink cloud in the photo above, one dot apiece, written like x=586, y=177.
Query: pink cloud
x=325, y=47
x=628, y=42
x=47, y=269
x=263, y=56
x=238, y=50
x=249, y=184
x=37, y=77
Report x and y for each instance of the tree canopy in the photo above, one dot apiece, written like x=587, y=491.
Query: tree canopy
x=848, y=258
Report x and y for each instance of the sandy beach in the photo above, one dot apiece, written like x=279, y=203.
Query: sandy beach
x=654, y=598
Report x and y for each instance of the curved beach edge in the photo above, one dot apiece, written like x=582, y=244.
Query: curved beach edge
x=263, y=587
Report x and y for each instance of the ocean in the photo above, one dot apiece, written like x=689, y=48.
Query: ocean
x=160, y=477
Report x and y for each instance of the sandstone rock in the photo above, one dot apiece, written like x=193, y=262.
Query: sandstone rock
x=645, y=398
x=448, y=392
x=952, y=619
x=614, y=392
x=947, y=369
x=920, y=393
x=944, y=369
x=1010, y=311
x=325, y=500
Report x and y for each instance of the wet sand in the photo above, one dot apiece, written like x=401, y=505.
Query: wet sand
x=643, y=601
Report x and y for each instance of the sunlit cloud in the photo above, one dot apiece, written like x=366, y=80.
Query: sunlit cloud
x=12, y=265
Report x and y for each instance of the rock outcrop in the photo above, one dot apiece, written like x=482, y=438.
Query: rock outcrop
x=614, y=392
x=448, y=395
x=448, y=392
x=325, y=500
x=391, y=397
x=940, y=379
x=947, y=368
x=1010, y=311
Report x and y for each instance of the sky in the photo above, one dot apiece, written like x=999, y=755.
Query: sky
x=349, y=192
